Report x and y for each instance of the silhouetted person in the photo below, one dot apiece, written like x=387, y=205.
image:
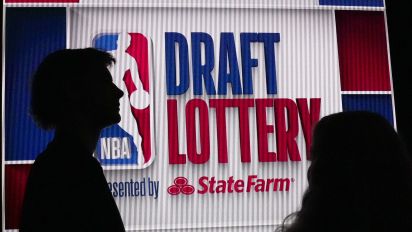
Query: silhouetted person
x=359, y=180
x=73, y=93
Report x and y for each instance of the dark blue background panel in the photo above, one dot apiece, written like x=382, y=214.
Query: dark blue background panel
x=31, y=34
x=371, y=3
x=377, y=103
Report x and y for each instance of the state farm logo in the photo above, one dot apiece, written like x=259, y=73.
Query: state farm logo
x=213, y=185
x=181, y=186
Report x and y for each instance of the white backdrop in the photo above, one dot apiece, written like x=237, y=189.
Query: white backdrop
x=307, y=67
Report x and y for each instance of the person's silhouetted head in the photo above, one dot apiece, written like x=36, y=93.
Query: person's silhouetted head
x=75, y=83
x=360, y=178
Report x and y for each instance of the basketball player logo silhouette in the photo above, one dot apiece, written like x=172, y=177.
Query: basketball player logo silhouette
x=131, y=53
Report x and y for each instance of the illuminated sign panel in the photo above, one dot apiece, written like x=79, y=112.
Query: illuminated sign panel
x=219, y=103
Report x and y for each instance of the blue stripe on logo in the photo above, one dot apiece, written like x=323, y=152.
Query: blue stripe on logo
x=377, y=103
x=371, y=3
x=106, y=42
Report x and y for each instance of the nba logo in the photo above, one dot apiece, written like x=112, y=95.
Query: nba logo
x=128, y=145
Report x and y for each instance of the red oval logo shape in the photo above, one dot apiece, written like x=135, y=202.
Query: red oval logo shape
x=173, y=190
x=181, y=181
x=188, y=189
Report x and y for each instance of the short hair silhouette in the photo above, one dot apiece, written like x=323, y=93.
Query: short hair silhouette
x=360, y=178
x=72, y=92
x=58, y=71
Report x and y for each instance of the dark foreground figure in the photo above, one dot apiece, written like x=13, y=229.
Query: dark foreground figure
x=360, y=178
x=73, y=93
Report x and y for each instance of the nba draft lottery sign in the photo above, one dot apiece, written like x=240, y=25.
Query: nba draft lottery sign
x=133, y=149
x=233, y=107
x=219, y=105
x=232, y=111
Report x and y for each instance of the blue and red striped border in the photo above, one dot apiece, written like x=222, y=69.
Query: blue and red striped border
x=31, y=34
x=363, y=62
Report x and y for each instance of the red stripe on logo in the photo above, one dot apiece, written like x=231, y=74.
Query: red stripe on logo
x=363, y=54
x=139, y=50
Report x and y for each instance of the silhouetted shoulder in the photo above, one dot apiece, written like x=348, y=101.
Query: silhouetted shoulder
x=67, y=187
